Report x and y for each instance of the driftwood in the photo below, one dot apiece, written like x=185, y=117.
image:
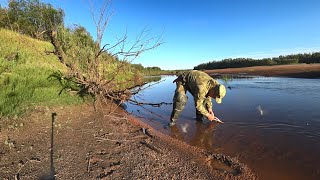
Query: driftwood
x=146, y=103
x=151, y=147
x=147, y=132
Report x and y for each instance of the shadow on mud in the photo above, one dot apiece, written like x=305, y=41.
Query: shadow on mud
x=51, y=174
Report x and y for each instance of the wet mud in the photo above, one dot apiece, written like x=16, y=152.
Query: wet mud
x=78, y=143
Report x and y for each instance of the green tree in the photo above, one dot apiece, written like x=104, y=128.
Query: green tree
x=3, y=18
x=31, y=17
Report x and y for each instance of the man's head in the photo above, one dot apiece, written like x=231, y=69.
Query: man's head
x=218, y=92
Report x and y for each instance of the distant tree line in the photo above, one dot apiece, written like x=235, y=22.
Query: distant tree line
x=147, y=70
x=248, y=62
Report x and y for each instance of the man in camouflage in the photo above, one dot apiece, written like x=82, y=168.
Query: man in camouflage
x=203, y=88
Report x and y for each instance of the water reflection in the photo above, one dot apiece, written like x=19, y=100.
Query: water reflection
x=200, y=134
x=203, y=136
x=151, y=78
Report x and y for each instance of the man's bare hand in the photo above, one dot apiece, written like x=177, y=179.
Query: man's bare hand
x=211, y=117
x=210, y=111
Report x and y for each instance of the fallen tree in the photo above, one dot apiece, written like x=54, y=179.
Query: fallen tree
x=88, y=63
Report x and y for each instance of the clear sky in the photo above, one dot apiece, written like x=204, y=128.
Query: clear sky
x=198, y=31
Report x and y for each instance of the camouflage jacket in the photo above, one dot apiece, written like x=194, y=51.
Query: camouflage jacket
x=199, y=83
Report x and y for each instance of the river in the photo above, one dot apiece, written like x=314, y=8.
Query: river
x=272, y=124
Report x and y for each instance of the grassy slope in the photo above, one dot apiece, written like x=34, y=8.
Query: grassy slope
x=24, y=72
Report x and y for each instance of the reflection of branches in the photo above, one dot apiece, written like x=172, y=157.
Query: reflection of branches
x=140, y=104
x=134, y=90
x=142, y=87
x=151, y=112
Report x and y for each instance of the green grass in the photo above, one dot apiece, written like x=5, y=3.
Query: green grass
x=24, y=75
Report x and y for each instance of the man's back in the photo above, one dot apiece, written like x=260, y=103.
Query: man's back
x=197, y=81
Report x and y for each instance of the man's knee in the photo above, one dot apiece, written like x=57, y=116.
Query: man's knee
x=181, y=99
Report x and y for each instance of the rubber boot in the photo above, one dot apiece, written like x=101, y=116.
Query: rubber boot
x=177, y=109
x=199, y=116
x=174, y=117
x=179, y=101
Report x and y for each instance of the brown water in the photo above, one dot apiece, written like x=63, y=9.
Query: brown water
x=270, y=124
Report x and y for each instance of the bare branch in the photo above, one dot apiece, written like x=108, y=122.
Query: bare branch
x=146, y=103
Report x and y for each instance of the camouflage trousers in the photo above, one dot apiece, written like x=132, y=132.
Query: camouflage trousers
x=179, y=101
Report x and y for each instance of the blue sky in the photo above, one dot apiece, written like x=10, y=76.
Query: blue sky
x=198, y=31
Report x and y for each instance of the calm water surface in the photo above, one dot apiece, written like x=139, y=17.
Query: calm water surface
x=271, y=124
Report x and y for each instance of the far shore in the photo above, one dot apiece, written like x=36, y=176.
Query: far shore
x=295, y=71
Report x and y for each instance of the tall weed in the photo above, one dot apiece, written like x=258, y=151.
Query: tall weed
x=24, y=75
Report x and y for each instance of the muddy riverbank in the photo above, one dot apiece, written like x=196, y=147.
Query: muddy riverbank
x=78, y=143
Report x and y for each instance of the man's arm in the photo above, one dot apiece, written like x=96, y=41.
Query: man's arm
x=208, y=104
x=201, y=102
